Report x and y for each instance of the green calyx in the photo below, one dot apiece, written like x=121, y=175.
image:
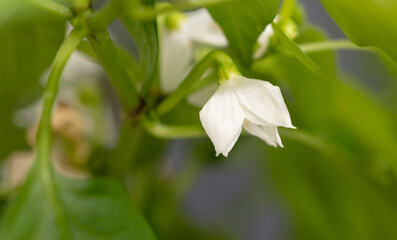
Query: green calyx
x=226, y=66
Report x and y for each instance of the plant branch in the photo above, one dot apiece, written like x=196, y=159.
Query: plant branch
x=54, y=8
x=105, y=16
x=147, y=13
x=287, y=9
x=43, y=161
x=341, y=44
x=118, y=75
x=156, y=128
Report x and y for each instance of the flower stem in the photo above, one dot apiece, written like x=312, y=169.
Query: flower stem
x=341, y=44
x=287, y=8
x=54, y=8
x=160, y=130
x=105, y=16
x=43, y=162
x=107, y=54
x=215, y=59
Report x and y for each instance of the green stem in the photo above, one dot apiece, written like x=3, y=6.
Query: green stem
x=44, y=132
x=330, y=45
x=287, y=9
x=81, y=5
x=146, y=13
x=124, y=154
x=218, y=59
x=54, y=8
x=107, y=54
x=105, y=16
x=160, y=130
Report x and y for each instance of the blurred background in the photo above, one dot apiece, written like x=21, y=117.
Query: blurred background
x=333, y=180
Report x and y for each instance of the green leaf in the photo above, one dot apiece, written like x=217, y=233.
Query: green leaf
x=242, y=21
x=91, y=209
x=327, y=202
x=367, y=22
x=293, y=49
x=28, y=43
x=146, y=37
x=369, y=121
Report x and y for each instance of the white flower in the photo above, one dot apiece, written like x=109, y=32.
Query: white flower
x=177, y=46
x=263, y=42
x=239, y=102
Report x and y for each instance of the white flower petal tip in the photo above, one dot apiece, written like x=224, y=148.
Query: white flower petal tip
x=239, y=102
x=222, y=119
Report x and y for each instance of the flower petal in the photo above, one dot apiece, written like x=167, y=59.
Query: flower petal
x=204, y=29
x=222, y=119
x=261, y=102
x=176, y=56
x=267, y=133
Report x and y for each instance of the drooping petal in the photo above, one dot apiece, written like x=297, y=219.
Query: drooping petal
x=261, y=102
x=176, y=55
x=204, y=29
x=267, y=133
x=222, y=119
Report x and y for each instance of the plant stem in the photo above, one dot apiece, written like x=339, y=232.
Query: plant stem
x=147, y=13
x=107, y=54
x=160, y=130
x=124, y=153
x=218, y=59
x=287, y=9
x=43, y=161
x=105, y=16
x=54, y=8
x=330, y=45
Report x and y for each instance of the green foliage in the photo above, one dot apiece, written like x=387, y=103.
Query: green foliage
x=367, y=22
x=242, y=21
x=21, y=66
x=293, y=49
x=86, y=209
x=329, y=202
x=336, y=177
x=146, y=38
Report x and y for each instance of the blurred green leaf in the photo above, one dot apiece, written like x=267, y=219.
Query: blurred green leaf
x=242, y=22
x=293, y=49
x=86, y=209
x=373, y=125
x=367, y=22
x=28, y=44
x=330, y=203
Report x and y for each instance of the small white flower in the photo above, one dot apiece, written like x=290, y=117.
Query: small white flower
x=177, y=46
x=239, y=102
